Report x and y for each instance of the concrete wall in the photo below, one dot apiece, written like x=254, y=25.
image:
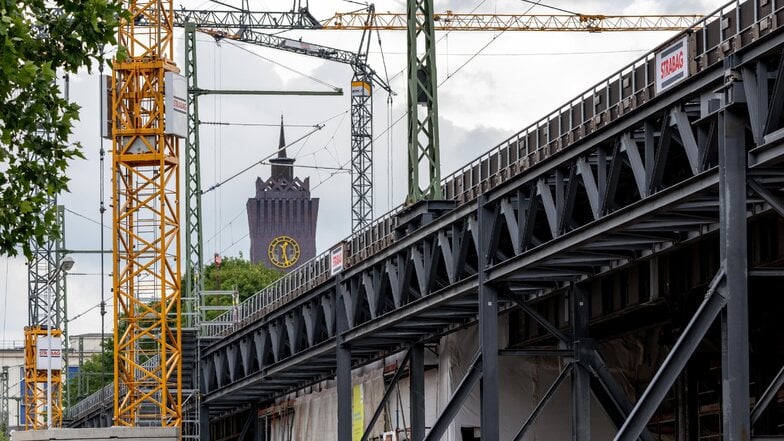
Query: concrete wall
x=117, y=433
x=524, y=382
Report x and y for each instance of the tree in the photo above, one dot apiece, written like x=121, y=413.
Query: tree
x=236, y=274
x=239, y=274
x=94, y=373
x=40, y=38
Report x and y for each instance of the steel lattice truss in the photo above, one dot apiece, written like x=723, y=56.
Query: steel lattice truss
x=46, y=308
x=423, y=148
x=145, y=164
x=450, y=21
x=44, y=282
x=256, y=19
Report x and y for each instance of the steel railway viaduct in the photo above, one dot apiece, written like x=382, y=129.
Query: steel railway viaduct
x=628, y=208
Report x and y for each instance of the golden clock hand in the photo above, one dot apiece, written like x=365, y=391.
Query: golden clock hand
x=285, y=256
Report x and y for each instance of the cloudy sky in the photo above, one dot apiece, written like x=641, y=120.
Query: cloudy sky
x=515, y=79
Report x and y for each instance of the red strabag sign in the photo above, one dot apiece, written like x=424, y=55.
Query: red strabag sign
x=672, y=65
x=336, y=260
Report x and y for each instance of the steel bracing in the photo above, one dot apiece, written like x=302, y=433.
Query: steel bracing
x=146, y=189
x=620, y=177
x=46, y=309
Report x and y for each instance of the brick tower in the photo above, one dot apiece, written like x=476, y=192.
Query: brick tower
x=282, y=216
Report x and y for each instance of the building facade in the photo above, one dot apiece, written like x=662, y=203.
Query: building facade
x=282, y=216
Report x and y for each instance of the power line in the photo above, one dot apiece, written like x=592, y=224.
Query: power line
x=535, y=54
x=539, y=3
x=234, y=243
x=86, y=218
x=291, y=69
x=218, y=184
x=221, y=123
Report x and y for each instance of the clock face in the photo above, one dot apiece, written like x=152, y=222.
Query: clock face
x=283, y=251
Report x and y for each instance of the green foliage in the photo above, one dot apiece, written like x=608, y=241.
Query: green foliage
x=94, y=374
x=236, y=274
x=38, y=38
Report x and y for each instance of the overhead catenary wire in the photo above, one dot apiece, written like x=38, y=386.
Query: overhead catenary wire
x=223, y=123
x=486, y=45
x=261, y=161
x=85, y=217
x=283, y=66
x=544, y=5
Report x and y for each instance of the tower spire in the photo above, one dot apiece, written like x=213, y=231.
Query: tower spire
x=282, y=165
x=282, y=141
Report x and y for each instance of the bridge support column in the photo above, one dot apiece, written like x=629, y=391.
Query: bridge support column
x=488, y=331
x=581, y=379
x=204, y=423
x=343, y=370
x=733, y=248
x=417, y=392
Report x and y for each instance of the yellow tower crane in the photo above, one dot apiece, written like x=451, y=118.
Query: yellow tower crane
x=146, y=219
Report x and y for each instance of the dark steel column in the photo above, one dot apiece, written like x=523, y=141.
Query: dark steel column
x=204, y=423
x=581, y=379
x=734, y=317
x=417, y=391
x=343, y=374
x=488, y=331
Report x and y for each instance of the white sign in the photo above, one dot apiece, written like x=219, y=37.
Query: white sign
x=176, y=97
x=106, y=106
x=672, y=65
x=360, y=88
x=45, y=346
x=336, y=260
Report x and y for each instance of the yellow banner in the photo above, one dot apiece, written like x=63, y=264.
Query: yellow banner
x=357, y=413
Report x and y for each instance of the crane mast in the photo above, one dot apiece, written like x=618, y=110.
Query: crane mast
x=146, y=252
x=46, y=322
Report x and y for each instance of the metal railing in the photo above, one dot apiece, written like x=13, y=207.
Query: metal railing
x=630, y=87
x=101, y=398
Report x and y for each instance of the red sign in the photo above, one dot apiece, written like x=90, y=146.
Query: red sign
x=336, y=259
x=672, y=65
